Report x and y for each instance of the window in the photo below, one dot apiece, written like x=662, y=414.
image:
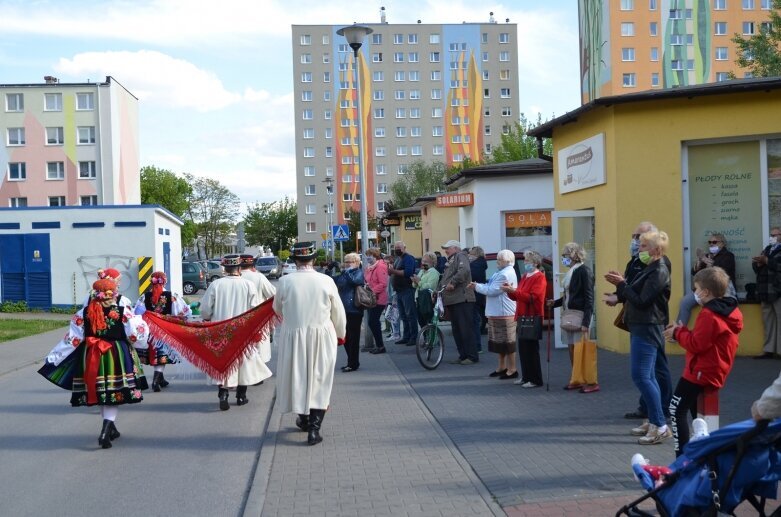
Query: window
x=55, y=170
x=652, y=5
x=486, y=77
x=436, y=75
x=398, y=39
x=486, y=93
x=329, y=152
x=16, y=136
x=676, y=64
x=484, y=56
x=379, y=169
x=306, y=39
x=326, y=58
x=455, y=139
x=414, y=95
x=627, y=54
x=504, y=37
x=326, y=39
x=379, y=132
x=54, y=136
x=14, y=102
x=402, y=168
x=487, y=129
x=483, y=38
x=347, y=160
x=309, y=170
x=437, y=131
x=378, y=76
x=347, y=196
x=398, y=57
x=346, y=216
x=87, y=170
x=487, y=112
x=720, y=28
x=401, y=150
x=377, y=57
x=722, y=76
x=376, y=39
x=676, y=39
x=17, y=202
x=306, y=77
x=627, y=5
x=86, y=134
x=326, y=77
x=413, y=57
x=378, y=95
x=327, y=95
x=504, y=75
x=329, y=172
x=507, y=111
x=379, y=151
x=438, y=150
x=311, y=227
x=311, y=208
x=308, y=114
x=765, y=5
x=56, y=200
x=306, y=95
x=17, y=171
x=504, y=55
x=436, y=112
x=434, y=57
x=309, y=152
x=721, y=53
x=399, y=95
x=414, y=75
x=309, y=133
x=654, y=53
x=306, y=59
x=52, y=102
x=401, y=112
x=399, y=75
x=748, y=4
x=401, y=131
x=88, y=200
x=412, y=39
x=653, y=28
x=380, y=206
x=505, y=93
x=627, y=29
x=458, y=157
x=344, y=47
x=676, y=14
x=382, y=188
x=506, y=129
x=414, y=113
x=436, y=93
x=415, y=131
x=379, y=112
x=628, y=80
x=719, y=5
x=764, y=27
x=309, y=190
x=433, y=39
x=655, y=79
x=85, y=101
x=748, y=28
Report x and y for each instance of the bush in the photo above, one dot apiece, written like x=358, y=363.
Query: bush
x=72, y=309
x=20, y=306
x=284, y=255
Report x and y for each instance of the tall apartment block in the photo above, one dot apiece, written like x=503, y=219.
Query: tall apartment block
x=69, y=144
x=634, y=45
x=428, y=92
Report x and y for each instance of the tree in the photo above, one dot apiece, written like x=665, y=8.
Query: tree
x=354, y=225
x=213, y=209
x=421, y=179
x=760, y=54
x=163, y=187
x=272, y=224
x=517, y=145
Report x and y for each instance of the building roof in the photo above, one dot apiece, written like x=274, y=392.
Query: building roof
x=497, y=170
x=58, y=84
x=700, y=90
x=405, y=211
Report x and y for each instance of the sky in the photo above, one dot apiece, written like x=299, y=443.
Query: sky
x=215, y=79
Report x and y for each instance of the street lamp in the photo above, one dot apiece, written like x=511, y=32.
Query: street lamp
x=354, y=34
x=329, y=188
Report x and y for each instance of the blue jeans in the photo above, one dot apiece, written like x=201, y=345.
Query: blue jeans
x=663, y=379
x=645, y=342
x=408, y=313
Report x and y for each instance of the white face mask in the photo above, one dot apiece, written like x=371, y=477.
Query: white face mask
x=772, y=241
x=697, y=298
x=713, y=250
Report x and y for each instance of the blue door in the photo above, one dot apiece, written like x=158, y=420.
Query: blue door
x=167, y=262
x=25, y=269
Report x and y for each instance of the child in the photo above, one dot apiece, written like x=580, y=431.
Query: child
x=710, y=347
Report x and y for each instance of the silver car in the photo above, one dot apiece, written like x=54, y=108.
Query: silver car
x=269, y=266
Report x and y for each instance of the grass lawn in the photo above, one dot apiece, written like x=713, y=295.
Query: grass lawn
x=15, y=329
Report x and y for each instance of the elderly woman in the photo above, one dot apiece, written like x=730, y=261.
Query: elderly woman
x=530, y=300
x=425, y=283
x=377, y=279
x=351, y=277
x=646, y=314
x=717, y=255
x=500, y=311
x=578, y=295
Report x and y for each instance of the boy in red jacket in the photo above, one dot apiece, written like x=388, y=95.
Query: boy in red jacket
x=710, y=347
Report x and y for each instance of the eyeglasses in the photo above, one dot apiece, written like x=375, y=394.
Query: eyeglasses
x=713, y=242
x=635, y=235
x=775, y=234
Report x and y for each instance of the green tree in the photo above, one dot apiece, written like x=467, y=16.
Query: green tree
x=517, y=145
x=163, y=187
x=213, y=208
x=421, y=179
x=272, y=224
x=760, y=54
x=354, y=225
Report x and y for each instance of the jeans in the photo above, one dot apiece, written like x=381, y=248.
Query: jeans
x=374, y=324
x=644, y=343
x=408, y=313
x=664, y=380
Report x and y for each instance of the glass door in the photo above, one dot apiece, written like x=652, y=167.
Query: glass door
x=571, y=226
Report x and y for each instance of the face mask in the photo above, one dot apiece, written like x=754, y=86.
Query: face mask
x=398, y=253
x=697, y=298
x=426, y=266
x=713, y=250
x=529, y=268
x=566, y=261
x=644, y=257
x=371, y=260
x=772, y=241
x=634, y=247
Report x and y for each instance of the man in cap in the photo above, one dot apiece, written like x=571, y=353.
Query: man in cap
x=460, y=301
x=230, y=296
x=265, y=291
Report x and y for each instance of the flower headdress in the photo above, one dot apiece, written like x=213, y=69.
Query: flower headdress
x=109, y=273
x=158, y=283
x=103, y=289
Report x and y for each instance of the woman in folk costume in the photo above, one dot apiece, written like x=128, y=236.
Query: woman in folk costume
x=96, y=359
x=313, y=323
x=115, y=276
x=158, y=353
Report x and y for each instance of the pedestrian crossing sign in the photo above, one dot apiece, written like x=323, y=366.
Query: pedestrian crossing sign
x=341, y=233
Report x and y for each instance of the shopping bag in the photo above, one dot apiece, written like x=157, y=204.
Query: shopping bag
x=584, y=362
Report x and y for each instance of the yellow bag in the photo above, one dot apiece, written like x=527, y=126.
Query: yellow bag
x=584, y=362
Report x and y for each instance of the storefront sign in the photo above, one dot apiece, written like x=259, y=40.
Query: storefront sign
x=456, y=199
x=524, y=231
x=413, y=222
x=582, y=165
x=391, y=221
x=526, y=219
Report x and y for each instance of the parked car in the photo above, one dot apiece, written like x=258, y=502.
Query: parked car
x=269, y=266
x=288, y=267
x=193, y=277
x=214, y=269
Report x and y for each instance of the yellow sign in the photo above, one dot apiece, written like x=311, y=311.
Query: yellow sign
x=324, y=236
x=526, y=219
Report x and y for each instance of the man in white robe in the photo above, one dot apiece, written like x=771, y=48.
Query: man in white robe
x=226, y=298
x=313, y=323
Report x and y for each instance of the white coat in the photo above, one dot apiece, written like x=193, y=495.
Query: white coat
x=312, y=319
x=265, y=291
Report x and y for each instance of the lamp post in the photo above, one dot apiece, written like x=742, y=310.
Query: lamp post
x=329, y=188
x=354, y=34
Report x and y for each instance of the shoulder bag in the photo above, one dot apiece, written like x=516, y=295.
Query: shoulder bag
x=364, y=297
x=571, y=320
x=530, y=327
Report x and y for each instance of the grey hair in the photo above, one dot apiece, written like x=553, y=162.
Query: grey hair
x=430, y=256
x=506, y=255
x=649, y=226
x=533, y=257
x=477, y=251
x=574, y=251
x=720, y=237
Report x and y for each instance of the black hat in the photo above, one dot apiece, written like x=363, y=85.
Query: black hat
x=231, y=260
x=304, y=250
x=246, y=259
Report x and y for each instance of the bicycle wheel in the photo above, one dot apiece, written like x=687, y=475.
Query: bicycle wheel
x=430, y=346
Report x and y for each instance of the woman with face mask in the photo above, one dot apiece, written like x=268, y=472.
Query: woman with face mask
x=717, y=255
x=425, y=282
x=377, y=279
x=351, y=277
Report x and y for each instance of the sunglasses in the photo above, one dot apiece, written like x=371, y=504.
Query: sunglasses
x=635, y=235
x=713, y=242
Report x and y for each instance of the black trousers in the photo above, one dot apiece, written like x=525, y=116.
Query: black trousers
x=461, y=318
x=529, y=355
x=682, y=404
x=352, y=341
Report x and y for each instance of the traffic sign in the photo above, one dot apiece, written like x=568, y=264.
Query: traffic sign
x=324, y=236
x=385, y=234
x=326, y=245
x=341, y=233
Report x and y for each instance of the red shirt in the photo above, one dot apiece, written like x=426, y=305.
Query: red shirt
x=531, y=287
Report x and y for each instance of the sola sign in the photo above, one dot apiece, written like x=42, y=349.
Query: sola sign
x=462, y=199
x=582, y=165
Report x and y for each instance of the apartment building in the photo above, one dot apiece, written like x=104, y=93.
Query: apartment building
x=69, y=144
x=428, y=92
x=634, y=45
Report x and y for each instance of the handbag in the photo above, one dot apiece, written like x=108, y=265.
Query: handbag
x=364, y=297
x=571, y=320
x=619, y=321
x=530, y=327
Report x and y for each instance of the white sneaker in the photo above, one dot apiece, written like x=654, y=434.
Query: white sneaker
x=640, y=430
x=519, y=382
x=699, y=429
x=529, y=385
x=655, y=436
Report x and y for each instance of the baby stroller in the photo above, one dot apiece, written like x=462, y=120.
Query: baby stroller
x=741, y=462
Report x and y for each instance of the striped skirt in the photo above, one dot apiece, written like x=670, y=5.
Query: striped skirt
x=501, y=334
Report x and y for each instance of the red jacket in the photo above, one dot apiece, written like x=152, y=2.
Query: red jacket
x=711, y=346
x=530, y=285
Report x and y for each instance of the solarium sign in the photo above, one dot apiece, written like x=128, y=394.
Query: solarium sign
x=582, y=165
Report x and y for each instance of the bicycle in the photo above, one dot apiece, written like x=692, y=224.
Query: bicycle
x=430, y=342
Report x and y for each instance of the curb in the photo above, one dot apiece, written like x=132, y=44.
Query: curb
x=256, y=498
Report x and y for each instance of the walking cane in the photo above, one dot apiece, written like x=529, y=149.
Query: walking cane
x=549, y=310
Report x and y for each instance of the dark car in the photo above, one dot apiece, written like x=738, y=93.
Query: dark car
x=269, y=266
x=193, y=277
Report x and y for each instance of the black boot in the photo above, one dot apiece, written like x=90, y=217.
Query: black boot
x=302, y=422
x=104, y=440
x=156, y=381
x=223, y=395
x=241, y=395
x=113, y=433
x=163, y=383
x=315, y=421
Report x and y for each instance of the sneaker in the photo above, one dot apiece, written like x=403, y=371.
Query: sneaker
x=640, y=430
x=530, y=385
x=467, y=362
x=699, y=429
x=655, y=436
x=454, y=361
x=519, y=382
